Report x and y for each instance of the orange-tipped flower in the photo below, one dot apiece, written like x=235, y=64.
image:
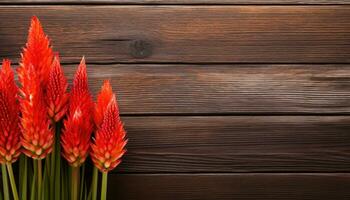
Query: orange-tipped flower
x=75, y=139
x=103, y=99
x=38, y=51
x=56, y=91
x=110, y=139
x=10, y=132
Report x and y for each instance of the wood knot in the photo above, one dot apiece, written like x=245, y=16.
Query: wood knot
x=140, y=49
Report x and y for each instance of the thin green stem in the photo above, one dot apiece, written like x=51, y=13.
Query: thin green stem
x=5, y=182
x=45, y=190
x=12, y=182
x=40, y=178
x=23, y=165
x=94, y=183
x=57, y=147
x=82, y=180
x=104, y=186
x=52, y=172
x=33, y=195
x=75, y=183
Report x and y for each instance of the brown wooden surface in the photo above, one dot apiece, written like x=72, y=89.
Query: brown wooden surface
x=237, y=144
x=181, y=2
x=220, y=101
x=162, y=89
x=191, y=34
x=230, y=186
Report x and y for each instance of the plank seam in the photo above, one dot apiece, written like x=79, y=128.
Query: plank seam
x=233, y=114
x=198, y=63
x=232, y=173
x=169, y=4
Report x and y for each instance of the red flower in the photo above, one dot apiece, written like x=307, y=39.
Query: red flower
x=10, y=132
x=37, y=137
x=110, y=139
x=56, y=91
x=75, y=139
x=103, y=98
x=38, y=51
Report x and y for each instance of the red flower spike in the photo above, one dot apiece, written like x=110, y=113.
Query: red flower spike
x=56, y=91
x=110, y=140
x=75, y=139
x=37, y=52
x=37, y=137
x=10, y=132
x=103, y=98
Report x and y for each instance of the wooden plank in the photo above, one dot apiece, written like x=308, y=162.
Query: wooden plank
x=237, y=144
x=230, y=186
x=179, y=2
x=186, y=34
x=164, y=89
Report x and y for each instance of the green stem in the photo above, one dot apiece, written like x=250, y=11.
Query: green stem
x=40, y=178
x=75, y=183
x=12, y=182
x=52, y=172
x=23, y=162
x=34, y=180
x=94, y=183
x=5, y=182
x=104, y=186
x=57, y=148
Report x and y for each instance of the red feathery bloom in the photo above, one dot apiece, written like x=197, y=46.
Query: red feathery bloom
x=103, y=99
x=38, y=51
x=56, y=91
x=110, y=139
x=10, y=132
x=37, y=137
x=75, y=139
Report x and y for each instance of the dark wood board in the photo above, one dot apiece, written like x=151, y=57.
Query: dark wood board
x=179, y=2
x=225, y=89
x=229, y=186
x=237, y=144
x=186, y=34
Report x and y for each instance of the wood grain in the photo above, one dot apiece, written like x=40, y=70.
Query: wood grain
x=225, y=89
x=178, y=2
x=230, y=186
x=237, y=144
x=186, y=34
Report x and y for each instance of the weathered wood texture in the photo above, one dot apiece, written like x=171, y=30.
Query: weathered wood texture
x=180, y=2
x=225, y=89
x=230, y=186
x=237, y=144
x=220, y=101
x=191, y=34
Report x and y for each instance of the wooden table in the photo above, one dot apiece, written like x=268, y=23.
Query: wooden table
x=222, y=99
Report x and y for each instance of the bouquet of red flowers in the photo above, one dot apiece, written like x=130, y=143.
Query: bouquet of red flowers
x=40, y=121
